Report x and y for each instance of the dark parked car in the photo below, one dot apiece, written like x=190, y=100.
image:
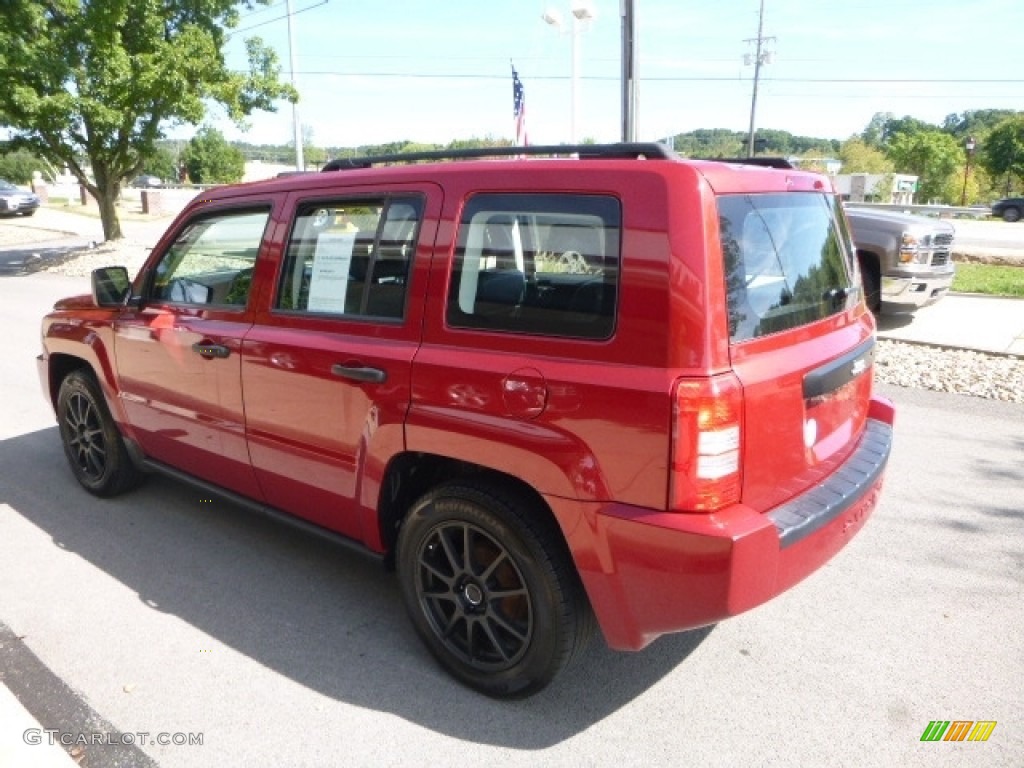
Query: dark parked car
x=1010, y=208
x=14, y=200
x=620, y=386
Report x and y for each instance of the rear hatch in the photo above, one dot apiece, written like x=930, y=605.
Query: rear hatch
x=801, y=342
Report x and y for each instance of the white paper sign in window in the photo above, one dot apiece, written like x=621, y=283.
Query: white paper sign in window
x=331, y=263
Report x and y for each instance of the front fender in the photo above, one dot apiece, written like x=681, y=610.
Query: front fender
x=81, y=338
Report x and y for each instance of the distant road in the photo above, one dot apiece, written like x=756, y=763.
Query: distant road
x=972, y=236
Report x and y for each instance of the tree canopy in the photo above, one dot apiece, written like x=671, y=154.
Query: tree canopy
x=1002, y=153
x=858, y=156
x=92, y=84
x=931, y=155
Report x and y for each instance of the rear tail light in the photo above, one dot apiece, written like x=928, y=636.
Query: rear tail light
x=707, y=433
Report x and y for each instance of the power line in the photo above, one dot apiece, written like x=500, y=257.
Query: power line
x=278, y=18
x=258, y=11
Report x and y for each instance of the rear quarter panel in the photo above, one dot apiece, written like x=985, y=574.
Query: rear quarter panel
x=604, y=432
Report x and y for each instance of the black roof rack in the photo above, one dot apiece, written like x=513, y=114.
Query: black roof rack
x=651, y=150
x=767, y=162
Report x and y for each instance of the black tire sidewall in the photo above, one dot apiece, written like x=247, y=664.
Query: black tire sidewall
x=872, y=284
x=547, y=648
x=117, y=472
x=1011, y=215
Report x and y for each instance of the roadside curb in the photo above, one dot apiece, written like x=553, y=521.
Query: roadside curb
x=952, y=348
x=968, y=295
x=1009, y=257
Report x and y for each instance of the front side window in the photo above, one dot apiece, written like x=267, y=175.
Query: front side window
x=351, y=258
x=212, y=260
x=786, y=262
x=544, y=264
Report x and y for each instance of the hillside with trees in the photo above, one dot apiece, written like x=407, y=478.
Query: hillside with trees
x=936, y=153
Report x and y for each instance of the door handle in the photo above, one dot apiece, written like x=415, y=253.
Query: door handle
x=360, y=373
x=210, y=350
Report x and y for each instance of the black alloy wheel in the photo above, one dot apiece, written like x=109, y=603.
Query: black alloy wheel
x=489, y=590
x=92, y=442
x=474, y=596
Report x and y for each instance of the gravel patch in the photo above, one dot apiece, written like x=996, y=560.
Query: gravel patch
x=122, y=253
x=15, y=232
x=958, y=371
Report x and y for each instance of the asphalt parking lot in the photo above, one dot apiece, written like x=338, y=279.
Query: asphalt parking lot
x=161, y=612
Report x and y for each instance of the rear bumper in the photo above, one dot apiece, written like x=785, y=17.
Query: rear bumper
x=660, y=572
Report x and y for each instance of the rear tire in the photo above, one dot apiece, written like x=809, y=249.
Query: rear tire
x=92, y=442
x=491, y=589
x=1011, y=214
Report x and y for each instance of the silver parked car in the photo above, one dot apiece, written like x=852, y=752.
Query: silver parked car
x=14, y=200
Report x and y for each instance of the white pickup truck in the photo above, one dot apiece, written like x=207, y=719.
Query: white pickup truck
x=906, y=261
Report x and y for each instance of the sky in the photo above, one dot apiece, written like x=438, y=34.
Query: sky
x=412, y=70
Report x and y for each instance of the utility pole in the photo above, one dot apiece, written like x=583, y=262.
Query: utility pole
x=760, y=57
x=628, y=70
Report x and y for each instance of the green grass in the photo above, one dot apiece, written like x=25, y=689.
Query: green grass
x=993, y=279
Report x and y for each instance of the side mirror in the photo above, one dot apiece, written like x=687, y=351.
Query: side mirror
x=111, y=286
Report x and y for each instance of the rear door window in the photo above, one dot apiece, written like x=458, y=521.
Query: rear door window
x=787, y=262
x=545, y=264
x=351, y=258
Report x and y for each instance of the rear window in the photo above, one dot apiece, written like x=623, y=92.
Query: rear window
x=786, y=262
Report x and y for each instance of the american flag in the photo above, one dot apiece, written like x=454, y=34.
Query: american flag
x=519, y=109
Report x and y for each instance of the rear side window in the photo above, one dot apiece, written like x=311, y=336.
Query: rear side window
x=786, y=262
x=537, y=264
x=351, y=258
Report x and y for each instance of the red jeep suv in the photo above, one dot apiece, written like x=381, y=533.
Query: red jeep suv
x=548, y=385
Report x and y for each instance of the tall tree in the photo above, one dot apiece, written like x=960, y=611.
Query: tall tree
x=872, y=133
x=905, y=125
x=975, y=122
x=209, y=158
x=859, y=157
x=91, y=84
x=1002, y=153
x=933, y=156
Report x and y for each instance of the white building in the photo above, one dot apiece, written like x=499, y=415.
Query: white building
x=889, y=188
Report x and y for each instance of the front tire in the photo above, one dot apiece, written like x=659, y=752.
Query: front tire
x=491, y=589
x=1011, y=214
x=92, y=442
x=872, y=282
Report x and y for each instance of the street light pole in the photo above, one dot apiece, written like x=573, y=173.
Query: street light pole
x=300, y=164
x=969, y=146
x=628, y=70
x=582, y=11
x=575, y=79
